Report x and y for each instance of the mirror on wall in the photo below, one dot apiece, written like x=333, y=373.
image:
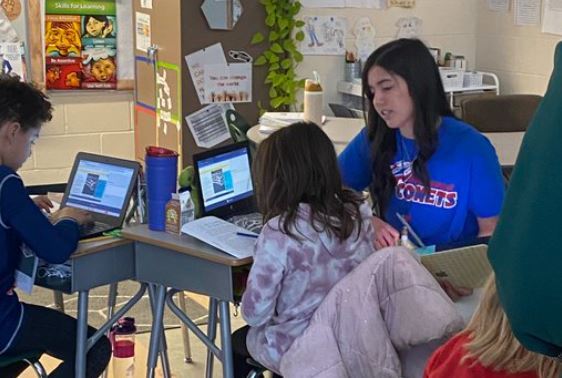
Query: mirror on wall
x=222, y=14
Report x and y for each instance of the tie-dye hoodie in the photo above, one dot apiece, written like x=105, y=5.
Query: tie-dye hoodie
x=290, y=278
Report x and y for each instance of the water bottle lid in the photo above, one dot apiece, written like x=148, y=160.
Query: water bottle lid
x=156, y=151
x=124, y=326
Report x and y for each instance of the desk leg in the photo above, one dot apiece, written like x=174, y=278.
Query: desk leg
x=159, y=294
x=211, y=334
x=226, y=340
x=81, y=334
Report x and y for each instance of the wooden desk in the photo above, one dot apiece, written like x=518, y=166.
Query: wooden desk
x=95, y=264
x=181, y=262
x=342, y=130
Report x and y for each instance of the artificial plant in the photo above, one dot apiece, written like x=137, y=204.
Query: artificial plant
x=281, y=57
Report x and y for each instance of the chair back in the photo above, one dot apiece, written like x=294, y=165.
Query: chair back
x=503, y=113
x=342, y=111
x=237, y=125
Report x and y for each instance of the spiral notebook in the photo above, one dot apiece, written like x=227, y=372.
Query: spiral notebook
x=464, y=267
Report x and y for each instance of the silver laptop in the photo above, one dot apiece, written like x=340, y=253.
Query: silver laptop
x=103, y=186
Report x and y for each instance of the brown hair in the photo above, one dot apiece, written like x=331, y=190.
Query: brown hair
x=23, y=103
x=493, y=344
x=298, y=164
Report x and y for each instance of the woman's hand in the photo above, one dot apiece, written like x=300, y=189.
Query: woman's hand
x=454, y=292
x=80, y=216
x=385, y=234
x=44, y=203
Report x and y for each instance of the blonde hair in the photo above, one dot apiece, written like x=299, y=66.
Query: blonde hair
x=493, y=344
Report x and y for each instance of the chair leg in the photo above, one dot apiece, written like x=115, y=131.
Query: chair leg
x=59, y=300
x=37, y=368
x=184, y=330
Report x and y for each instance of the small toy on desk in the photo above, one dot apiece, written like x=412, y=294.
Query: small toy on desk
x=187, y=180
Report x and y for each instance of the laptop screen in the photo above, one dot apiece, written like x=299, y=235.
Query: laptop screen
x=100, y=187
x=225, y=178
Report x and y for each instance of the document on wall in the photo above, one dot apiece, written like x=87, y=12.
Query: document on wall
x=196, y=63
x=527, y=12
x=552, y=17
x=208, y=125
x=498, y=5
x=143, y=31
x=323, y=3
x=228, y=82
x=226, y=236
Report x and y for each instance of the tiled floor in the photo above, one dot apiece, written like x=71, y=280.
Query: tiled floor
x=178, y=366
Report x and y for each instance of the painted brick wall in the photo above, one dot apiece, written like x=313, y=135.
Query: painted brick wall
x=93, y=122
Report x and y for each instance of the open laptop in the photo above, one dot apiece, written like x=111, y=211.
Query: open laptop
x=103, y=186
x=226, y=190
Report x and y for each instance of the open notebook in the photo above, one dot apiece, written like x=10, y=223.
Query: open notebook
x=465, y=267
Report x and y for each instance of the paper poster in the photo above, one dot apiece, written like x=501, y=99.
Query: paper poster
x=364, y=32
x=527, y=12
x=80, y=44
x=146, y=4
x=196, y=63
x=142, y=31
x=7, y=31
x=14, y=12
x=208, y=126
x=228, y=83
x=402, y=3
x=125, y=44
x=324, y=35
x=11, y=59
x=376, y=4
x=552, y=17
x=409, y=27
x=498, y=5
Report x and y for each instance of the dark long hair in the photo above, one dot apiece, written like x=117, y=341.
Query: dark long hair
x=298, y=164
x=411, y=60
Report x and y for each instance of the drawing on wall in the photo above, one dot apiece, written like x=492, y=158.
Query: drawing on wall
x=364, y=32
x=377, y=4
x=11, y=59
x=409, y=27
x=7, y=31
x=12, y=8
x=402, y=3
x=80, y=44
x=324, y=35
x=196, y=62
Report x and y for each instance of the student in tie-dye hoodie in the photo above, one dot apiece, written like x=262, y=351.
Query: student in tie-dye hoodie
x=316, y=232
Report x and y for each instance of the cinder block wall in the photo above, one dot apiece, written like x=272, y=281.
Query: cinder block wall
x=97, y=122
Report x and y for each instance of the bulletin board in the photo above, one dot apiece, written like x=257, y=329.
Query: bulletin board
x=35, y=10
x=165, y=92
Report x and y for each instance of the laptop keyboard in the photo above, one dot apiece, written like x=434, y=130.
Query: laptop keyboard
x=93, y=228
x=251, y=222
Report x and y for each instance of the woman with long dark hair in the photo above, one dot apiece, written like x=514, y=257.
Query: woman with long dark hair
x=417, y=159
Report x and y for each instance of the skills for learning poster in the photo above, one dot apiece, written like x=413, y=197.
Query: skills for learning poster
x=80, y=44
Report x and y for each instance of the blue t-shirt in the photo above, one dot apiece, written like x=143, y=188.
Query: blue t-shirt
x=21, y=222
x=466, y=182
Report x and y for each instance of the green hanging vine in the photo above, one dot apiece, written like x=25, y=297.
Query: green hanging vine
x=282, y=56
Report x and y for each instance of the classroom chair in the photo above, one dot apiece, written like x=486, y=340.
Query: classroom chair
x=31, y=358
x=342, y=111
x=500, y=114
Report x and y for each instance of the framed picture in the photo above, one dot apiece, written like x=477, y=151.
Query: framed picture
x=435, y=53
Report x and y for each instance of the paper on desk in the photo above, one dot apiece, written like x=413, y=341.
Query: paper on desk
x=208, y=125
x=222, y=235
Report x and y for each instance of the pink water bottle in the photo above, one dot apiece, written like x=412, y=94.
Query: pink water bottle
x=123, y=341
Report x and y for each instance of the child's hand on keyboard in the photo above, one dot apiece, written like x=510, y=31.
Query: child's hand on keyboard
x=82, y=217
x=44, y=203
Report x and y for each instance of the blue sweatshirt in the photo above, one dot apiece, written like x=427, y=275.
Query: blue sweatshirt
x=21, y=222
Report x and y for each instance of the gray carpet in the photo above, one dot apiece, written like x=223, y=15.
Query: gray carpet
x=97, y=309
